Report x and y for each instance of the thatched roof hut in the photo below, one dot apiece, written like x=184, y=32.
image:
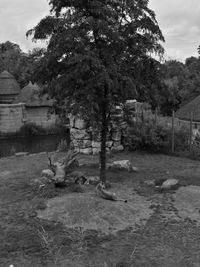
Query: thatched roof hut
x=32, y=97
x=39, y=108
x=9, y=88
x=190, y=109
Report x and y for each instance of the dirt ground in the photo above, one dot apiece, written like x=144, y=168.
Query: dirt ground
x=56, y=227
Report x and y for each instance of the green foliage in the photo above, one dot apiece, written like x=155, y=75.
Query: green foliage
x=180, y=83
x=63, y=146
x=31, y=129
x=18, y=63
x=155, y=138
x=94, y=48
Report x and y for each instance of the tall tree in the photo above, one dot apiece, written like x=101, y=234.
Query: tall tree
x=93, y=49
x=18, y=63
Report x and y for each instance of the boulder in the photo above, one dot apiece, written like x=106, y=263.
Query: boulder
x=79, y=123
x=122, y=165
x=96, y=150
x=47, y=173
x=86, y=151
x=116, y=136
x=117, y=148
x=21, y=154
x=96, y=144
x=81, y=143
x=79, y=134
x=170, y=184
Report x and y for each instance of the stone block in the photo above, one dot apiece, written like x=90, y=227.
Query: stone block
x=82, y=143
x=79, y=134
x=116, y=136
x=86, y=151
x=96, y=144
x=116, y=143
x=96, y=150
x=79, y=124
x=109, y=144
x=123, y=165
x=117, y=148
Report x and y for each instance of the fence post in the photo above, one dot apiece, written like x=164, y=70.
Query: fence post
x=190, y=141
x=156, y=113
x=173, y=131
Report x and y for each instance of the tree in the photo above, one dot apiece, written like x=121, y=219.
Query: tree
x=94, y=47
x=18, y=63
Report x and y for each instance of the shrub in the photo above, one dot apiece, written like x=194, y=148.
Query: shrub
x=31, y=129
x=156, y=138
x=63, y=146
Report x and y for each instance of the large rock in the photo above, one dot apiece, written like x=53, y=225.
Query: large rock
x=96, y=144
x=117, y=148
x=79, y=134
x=96, y=150
x=86, y=151
x=122, y=165
x=79, y=123
x=170, y=184
x=81, y=143
x=116, y=136
x=47, y=173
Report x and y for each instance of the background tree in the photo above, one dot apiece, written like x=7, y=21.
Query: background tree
x=93, y=49
x=18, y=63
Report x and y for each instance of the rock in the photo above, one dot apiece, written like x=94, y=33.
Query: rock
x=71, y=120
x=47, y=174
x=79, y=134
x=96, y=144
x=81, y=143
x=116, y=136
x=117, y=148
x=86, y=151
x=170, y=184
x=40, y=182
x=122, y=165
x=20, y=154
x=93, y=180
x=96, y=150
x=79, y=123
x=109, y=144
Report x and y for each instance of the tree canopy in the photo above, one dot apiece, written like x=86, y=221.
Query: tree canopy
x=96, y=55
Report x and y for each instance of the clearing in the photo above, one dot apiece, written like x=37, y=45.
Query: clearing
x=49, y=226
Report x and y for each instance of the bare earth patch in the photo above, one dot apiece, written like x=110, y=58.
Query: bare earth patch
x=91, y=212
x=187, y=202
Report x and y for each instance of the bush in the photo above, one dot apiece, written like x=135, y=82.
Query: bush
x=63, y=146
x=155, y=138
x=31, y=129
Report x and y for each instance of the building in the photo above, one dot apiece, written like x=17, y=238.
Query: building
x=18, y=107
x=39, y=108
x=9, y=88
x=189, y=111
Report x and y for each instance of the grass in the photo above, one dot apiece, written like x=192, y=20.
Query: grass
x=27, y=241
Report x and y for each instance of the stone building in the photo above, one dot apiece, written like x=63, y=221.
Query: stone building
x=9, y=88
x=18, y=107
x=38, y=107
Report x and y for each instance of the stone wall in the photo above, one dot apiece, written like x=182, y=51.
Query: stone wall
x=11, y=117
x=86, y=139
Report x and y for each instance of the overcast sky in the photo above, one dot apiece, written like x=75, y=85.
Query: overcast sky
x=179, y=21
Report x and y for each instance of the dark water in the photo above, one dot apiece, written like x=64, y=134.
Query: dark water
x=33, y=144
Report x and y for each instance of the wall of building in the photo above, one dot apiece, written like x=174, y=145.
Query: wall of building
x=11, y=117
x=40, y=116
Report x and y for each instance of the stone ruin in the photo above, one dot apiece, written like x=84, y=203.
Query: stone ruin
x=87, y=140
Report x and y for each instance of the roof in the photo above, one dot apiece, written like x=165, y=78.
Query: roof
x=190, y=109
x=32, y=97
x=8, y=84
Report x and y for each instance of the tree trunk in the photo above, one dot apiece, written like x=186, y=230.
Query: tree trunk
x=104, y=130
